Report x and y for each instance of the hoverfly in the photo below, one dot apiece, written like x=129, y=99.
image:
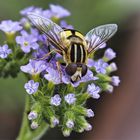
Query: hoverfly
x=74, y=47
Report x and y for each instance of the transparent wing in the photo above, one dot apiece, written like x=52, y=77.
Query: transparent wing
x=97, y=37
x=49, y=28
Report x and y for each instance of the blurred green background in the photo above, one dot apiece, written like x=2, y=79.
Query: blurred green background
x=85, y=14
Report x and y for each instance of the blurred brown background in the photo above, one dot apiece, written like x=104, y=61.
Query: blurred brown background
x=117, y=115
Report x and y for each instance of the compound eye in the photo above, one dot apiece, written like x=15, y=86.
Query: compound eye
x=84, y=70
x=71, y=69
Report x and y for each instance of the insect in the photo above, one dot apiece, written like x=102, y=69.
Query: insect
x=74, y=47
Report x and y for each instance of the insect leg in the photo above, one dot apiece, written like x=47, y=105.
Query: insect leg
x=59, y=69
x=49, y=53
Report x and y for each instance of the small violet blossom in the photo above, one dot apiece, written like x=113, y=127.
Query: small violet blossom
x=64, y=24
x=40, y=52
x=88, y=127
x=47, y=13
x=54, y=11
x=112, y=67
x=58, y=11
x=32, y=115
x=31, y=87
x=34, y=67
x=100, y=66
x=55, y=121
x=70, y=124
x=70, y=98
x=9, y=26
x=27, y=41
x=115, y=80
x=53, y=75
x=5, y=51
x=109, y=54
x=34, y=125
x=90, y=113
x=25, y=11
x=33, y=9
x=93, y=91
x=90, y=63
x=55, y=100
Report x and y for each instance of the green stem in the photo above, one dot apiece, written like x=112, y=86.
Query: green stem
x=25, y=132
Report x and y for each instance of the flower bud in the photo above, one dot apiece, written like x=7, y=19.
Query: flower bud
x=54, y=121
x=90, y=113
x=34, y=125
x=70, y=98
x=70, y=124
x=66, y=132
x=109, y=54
x=88, y=127
x=115, y=80
x=109, y=88
x=55, y=100
x=111, y=68
x=32, y=115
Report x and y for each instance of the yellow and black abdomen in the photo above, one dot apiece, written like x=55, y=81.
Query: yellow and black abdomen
x=77, y=53
x=77, y=50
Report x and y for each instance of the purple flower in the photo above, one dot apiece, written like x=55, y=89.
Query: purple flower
x=70, y=124
x=34, y=125
x=25, y=11
x=93, y=91
x=115, y=80
x=27, y=42
x=34, y=67
x=35, y=33
x=43, y=39
x=47, y=13
x=58, y=11
x=10, y=26
x=33, y=9
x=55, y=100
x=31, y=87
x=64, y=24
x=37, y=10
x=53, y=75
x=112, y=67
x=32, y=115
x=100, y=66
x=40, y=52
x=109, y=54
x=90, y=63
x=5, y=51
x=90, y=113
x=24, y=22
x=70, y=98
x=55, y=121
x=88, y=127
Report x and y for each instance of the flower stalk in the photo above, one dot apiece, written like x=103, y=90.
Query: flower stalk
x=26, y=132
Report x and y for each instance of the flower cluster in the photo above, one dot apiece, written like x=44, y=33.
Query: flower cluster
x=54, y=97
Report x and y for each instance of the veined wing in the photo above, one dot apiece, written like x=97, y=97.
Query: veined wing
x=49, y=28
x=99, y=35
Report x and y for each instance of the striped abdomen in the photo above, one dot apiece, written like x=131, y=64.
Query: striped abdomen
x=77, y=53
